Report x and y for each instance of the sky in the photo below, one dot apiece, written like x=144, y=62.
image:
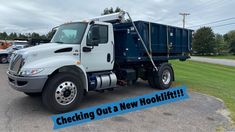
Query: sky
x=23, y=16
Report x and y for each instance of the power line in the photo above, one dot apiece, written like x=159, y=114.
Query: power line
x=209, y=13
x=223, y=25
x=213, y=22
x=203, y=10
x=196, y=8
x=204, y=4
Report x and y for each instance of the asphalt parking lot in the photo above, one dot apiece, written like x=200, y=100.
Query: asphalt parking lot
x=198, y=113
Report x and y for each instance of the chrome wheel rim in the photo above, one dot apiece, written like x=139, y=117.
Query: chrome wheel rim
x=166, y=77
x=65, y=93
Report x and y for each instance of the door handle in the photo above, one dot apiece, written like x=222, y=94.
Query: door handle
x=86, y=49
x=108, y=57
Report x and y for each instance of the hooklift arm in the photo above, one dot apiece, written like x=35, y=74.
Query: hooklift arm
x=111, y=18
x=120, y=17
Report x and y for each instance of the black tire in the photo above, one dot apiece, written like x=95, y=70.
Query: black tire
x=49, y=93
x=33, y=94
x=3, y=59
x=155, y=79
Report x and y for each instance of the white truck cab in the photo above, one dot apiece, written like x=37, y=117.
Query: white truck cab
x=61, y=66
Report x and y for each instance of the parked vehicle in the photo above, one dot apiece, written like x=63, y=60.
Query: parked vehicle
x=4, y=44
x=4, y=58
x=97, y=55
x=20, y=42
x=5, y=54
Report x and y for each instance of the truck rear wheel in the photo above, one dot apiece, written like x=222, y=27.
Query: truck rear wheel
x=161, y=79
x=62, y=93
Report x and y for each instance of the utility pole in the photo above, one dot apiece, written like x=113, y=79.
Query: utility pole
x=184, y=15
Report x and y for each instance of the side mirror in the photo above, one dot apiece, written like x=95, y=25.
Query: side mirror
x=93, y=37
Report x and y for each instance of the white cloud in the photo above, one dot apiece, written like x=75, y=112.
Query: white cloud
x=42, y=15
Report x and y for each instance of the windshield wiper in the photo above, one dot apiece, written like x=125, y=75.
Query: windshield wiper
x=59, y=42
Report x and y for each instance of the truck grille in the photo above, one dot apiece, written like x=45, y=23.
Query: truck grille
x=16, y=63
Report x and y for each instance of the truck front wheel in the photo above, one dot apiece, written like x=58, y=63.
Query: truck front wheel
x=62, y=93
x=161, y=79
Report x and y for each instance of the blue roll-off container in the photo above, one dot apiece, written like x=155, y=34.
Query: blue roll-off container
x=163, y=42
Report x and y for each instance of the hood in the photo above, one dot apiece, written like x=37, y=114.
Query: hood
x=48, y=48
x=43, y=47
x=43, y=51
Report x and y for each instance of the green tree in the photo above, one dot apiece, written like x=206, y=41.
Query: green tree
x=22, y=36
x=35, y=35
x=110, y=10
x=12, y=36
x=229, y=36
x=50, y=34
x=232, y=46
x=43, y=37
x=220, y=45
x=118, y=9
x=204, y=41
x=3, y=35
x=229, y=39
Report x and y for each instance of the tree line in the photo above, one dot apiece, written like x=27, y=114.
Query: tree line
x=26, y=36
x=206, y=42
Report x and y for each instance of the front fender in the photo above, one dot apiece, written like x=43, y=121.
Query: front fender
x=51, y=64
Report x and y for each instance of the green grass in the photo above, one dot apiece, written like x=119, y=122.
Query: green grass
x=211, y=79
x=230, y=57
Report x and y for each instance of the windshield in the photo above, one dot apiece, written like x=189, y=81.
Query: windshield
x=69, y=33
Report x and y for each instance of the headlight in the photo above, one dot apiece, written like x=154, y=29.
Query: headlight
x=30, y=72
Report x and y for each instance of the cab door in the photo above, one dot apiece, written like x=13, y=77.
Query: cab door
x=97, y=50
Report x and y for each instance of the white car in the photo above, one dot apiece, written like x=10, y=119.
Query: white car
x=6, y=53
x=25, y=43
